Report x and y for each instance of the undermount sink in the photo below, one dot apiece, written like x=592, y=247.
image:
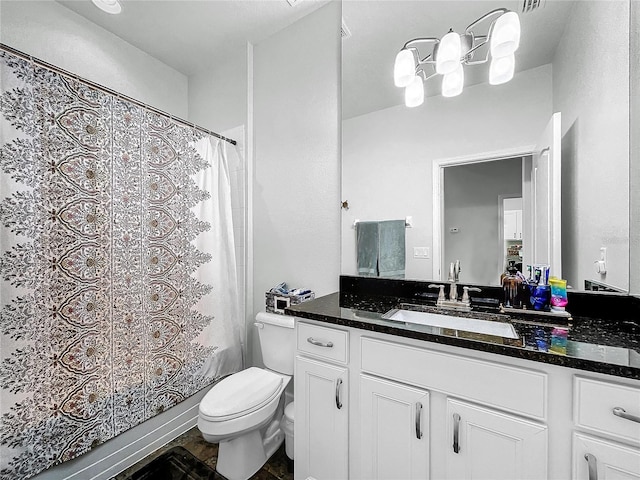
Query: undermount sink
x=487, y=327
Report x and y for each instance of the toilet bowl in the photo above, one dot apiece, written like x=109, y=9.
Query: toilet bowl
x=243, y=412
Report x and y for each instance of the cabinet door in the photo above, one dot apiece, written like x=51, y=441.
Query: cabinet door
x=597, y=459
x=321, y=420
x=511, y=225
x=519, y=224
x=484, y=444
x=394, y=425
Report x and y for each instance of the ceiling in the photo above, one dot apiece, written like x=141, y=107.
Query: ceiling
x=379, y=29
x=192, y=35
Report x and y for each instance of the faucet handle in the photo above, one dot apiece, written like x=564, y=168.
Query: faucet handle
x=465, y=293
x=441, y=296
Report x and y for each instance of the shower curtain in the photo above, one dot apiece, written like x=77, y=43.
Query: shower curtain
x=117, y=266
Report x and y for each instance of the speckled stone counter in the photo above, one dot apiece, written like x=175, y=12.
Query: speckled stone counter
x=608, y=345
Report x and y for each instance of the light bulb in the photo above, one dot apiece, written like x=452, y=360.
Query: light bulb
x=452, y=83
x=414, y=93
x=501, y=69
x=404, y=68
x=449, y=52
x=505, y=35
x=109, y=6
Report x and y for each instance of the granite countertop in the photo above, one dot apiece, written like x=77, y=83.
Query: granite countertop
x=593, y=344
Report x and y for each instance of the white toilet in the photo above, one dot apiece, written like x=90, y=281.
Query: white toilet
x=243, y=411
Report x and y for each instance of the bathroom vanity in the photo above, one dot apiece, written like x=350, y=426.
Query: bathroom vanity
x=378, y=398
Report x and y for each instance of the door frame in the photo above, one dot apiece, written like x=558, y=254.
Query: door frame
x=501, y=240
x=438, y=198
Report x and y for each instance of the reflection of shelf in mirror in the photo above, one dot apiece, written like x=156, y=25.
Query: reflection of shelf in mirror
x=536, y=313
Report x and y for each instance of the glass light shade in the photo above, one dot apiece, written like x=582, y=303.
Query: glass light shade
x=501, y=69
x=414, y=93
x=404, y=68
x=505, y=35
x=109, y=6
x=448, y=53
x=452, y=83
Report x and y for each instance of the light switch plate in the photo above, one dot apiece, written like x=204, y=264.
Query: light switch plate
x=421, y=252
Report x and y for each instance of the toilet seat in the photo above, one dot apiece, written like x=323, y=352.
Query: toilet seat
x=240, y=394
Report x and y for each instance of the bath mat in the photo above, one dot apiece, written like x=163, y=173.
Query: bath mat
x=175, y=464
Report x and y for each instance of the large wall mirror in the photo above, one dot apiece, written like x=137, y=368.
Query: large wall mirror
x=463, y=168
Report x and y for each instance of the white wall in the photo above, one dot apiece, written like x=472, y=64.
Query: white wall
x=218, y=95
x=296, y=194
x=471, y=205
x=387, y=155
x=591, y=89
x=49, y=31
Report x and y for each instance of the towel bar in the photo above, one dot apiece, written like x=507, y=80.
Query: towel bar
x=408, y=222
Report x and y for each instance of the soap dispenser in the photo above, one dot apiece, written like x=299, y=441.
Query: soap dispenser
x=512, y=285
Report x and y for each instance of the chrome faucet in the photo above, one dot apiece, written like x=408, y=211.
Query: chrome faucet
x=454, y=275
x=453, y=303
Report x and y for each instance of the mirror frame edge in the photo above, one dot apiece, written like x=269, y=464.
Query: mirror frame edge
x=634, y=148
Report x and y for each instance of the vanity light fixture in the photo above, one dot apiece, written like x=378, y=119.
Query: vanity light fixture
x=110, y=6
x=450, y=54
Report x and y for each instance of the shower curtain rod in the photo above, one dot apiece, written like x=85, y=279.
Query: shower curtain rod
x=104, y=89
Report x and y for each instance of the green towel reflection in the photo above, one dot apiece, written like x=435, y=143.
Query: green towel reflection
x=381, y=248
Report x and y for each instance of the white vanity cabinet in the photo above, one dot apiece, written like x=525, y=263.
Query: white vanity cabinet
x=418, y=409
x=606, y=440
x=487, y=444
x=598, y=459
x=467, y=436
x=321, y=386
x=394, y=422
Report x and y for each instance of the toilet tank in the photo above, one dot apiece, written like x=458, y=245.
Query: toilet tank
x=277, y=341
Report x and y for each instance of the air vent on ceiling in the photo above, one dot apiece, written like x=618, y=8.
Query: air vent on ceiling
x=530, y=5
x=344, y=31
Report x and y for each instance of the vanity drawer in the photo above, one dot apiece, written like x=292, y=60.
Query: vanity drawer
x=594, y=404
x=515, y=390
x=323, y=342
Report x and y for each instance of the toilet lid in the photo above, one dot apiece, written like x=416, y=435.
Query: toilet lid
x=240, y=393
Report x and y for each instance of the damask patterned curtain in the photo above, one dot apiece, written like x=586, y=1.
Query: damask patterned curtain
x=108, y=311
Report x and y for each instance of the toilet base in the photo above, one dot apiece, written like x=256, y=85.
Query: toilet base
x=241, y=457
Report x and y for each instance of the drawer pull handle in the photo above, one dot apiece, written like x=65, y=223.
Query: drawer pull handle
x=456, y=433
x=319, y=343
x=418, y=420
x=338, y=387
x=593, y=466
x=620, y=412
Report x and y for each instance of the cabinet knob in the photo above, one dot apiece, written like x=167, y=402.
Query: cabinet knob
x=319, y=343
x=418, y=420
x=456, y=433
x=621, y=412
x=593, y=466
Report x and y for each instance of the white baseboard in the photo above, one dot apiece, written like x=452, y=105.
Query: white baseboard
x=128, y=448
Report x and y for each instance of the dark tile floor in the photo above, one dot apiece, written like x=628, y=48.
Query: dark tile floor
x=277, y=468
